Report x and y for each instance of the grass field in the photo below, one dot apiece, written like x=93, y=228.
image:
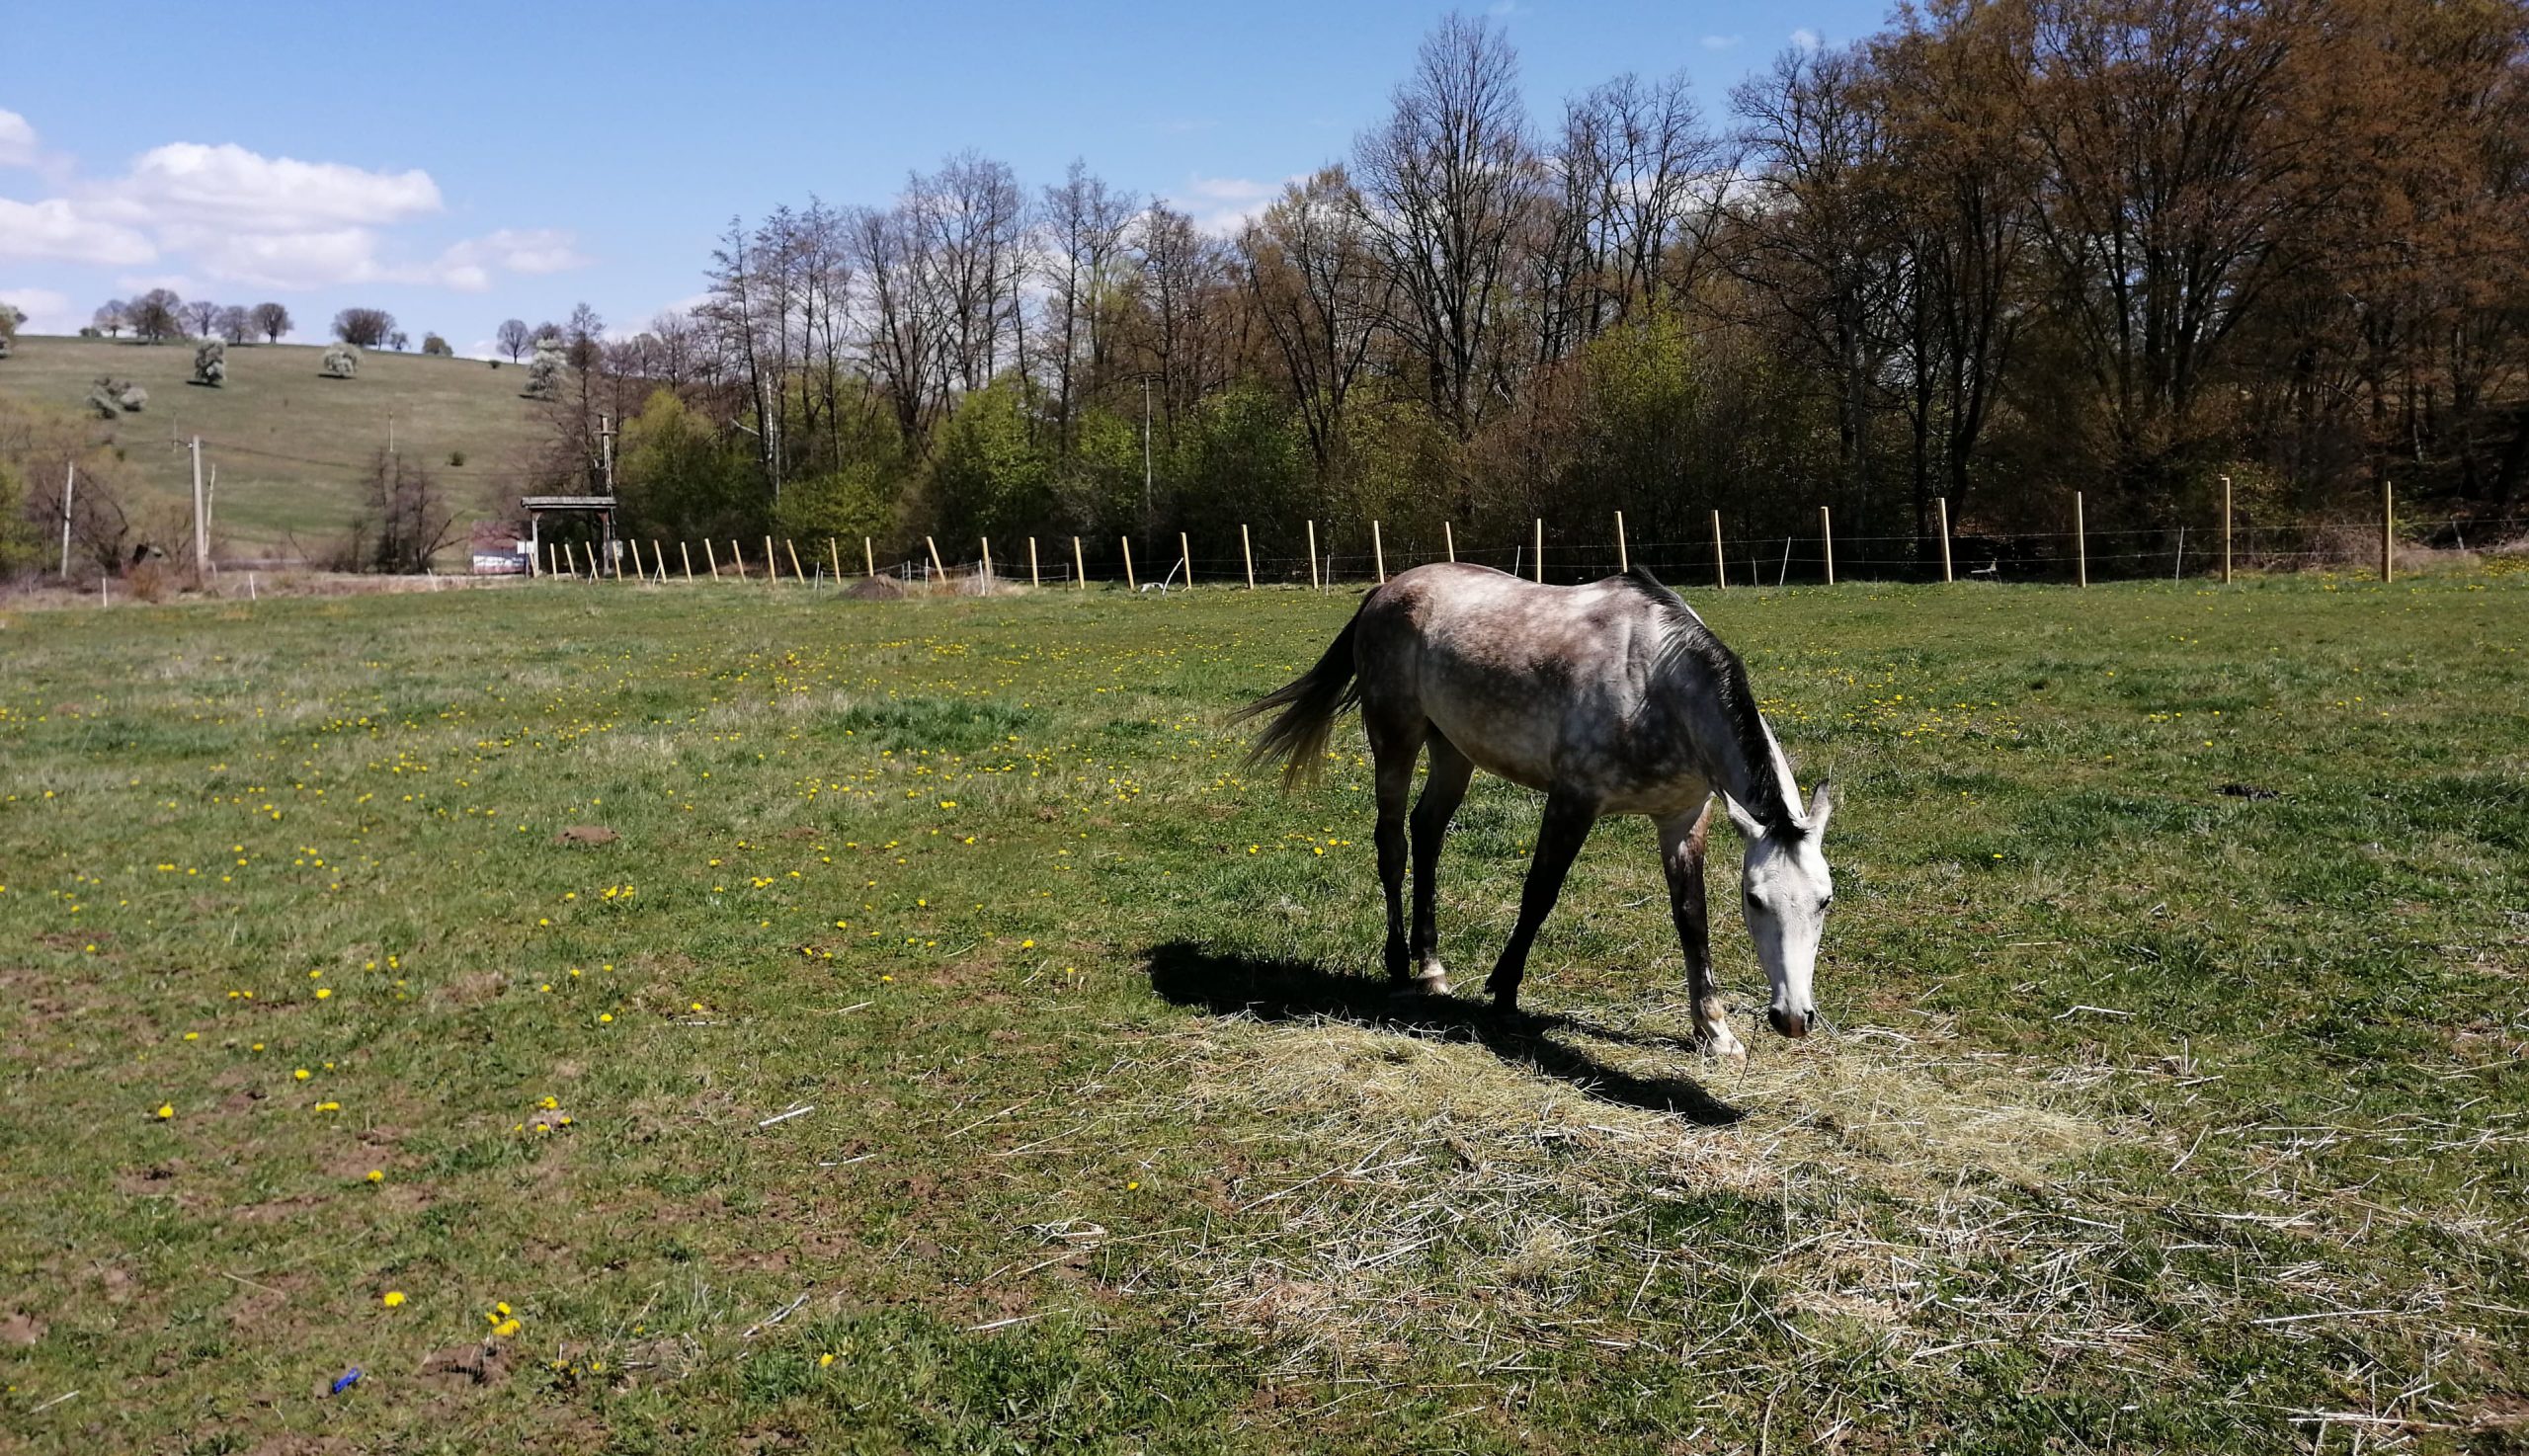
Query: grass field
x=272, y=487
x=2173, y=1099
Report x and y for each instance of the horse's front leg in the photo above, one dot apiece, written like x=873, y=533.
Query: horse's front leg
x=1568, y=818
x=1681, y=847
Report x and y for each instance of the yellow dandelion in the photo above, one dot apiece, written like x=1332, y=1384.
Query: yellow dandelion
x=391, y=1298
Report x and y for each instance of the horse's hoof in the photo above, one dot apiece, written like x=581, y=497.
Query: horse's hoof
x=1723, y=1046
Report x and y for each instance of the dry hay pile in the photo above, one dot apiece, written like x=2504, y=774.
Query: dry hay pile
x=1419, y=1191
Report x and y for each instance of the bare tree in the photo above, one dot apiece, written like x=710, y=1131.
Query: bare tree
x=271, y=322
x=201, y=317
x=513, y=339
x=1447, y=183
x=1320, y=294
x=153, y=316
x=235, y=325
x=111, y=317
x=1082, y=225
x=364, y=328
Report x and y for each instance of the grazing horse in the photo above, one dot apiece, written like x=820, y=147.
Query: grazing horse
x=1611, y=698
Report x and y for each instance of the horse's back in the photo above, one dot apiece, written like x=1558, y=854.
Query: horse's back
x=1517, y=674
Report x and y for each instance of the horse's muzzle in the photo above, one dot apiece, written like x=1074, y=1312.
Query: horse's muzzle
x=1790, y=1023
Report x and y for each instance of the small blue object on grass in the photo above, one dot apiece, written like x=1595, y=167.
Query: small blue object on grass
x=345, y=1383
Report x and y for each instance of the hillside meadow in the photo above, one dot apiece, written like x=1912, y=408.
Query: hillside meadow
x=708, y=1017
x=293, y=447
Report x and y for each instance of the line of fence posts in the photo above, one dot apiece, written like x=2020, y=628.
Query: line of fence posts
x=562, y=557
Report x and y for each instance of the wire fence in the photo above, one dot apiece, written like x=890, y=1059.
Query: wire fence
x=1337, y=554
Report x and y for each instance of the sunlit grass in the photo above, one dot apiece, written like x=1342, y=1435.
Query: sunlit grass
x=2173, y=1095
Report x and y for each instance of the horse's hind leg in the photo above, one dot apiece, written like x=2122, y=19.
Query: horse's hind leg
x=1394, y=743
x=1443, y=791
x=1682, y=847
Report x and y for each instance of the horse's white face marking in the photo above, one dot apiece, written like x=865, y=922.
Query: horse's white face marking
x=1786, y=888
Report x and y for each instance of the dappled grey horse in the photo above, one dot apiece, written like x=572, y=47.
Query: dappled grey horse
x=1611, y=698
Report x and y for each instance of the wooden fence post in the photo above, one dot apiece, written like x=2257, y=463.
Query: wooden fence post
x=2081, y=545
x=1186, y=557
x=1035, y=577
x=938, y=570
x=738, y=559
x=633, y=544
x=1450, y=538
x=571, y=558
x=868, y=556
x=1129, y=584
x=1720, y=570
x=834, y=557
x=772, y=568
x=687, y=551
x=1624, y=561
x=2387, y=532
x=1943, y=501
x=793, y=547
x=1246, y=548
x=1378, y=554
x=2226, y=530
x=1827, y=542
x=710, y=556
x=1313, y=583
x=1536, y=568
x=987, y=540
x=1079, y=564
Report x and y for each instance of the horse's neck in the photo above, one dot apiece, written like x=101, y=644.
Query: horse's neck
x=1742, y=760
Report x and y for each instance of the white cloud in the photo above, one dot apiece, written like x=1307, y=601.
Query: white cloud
x=48, y=311
x=238, y=216
x=229, y=186
x=1719, y=42
x=17, y=140
x=1222, y=205
x=1806, y=38
x=53, y=228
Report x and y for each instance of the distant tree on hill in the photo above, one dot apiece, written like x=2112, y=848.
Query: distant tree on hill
x=367, y=328
x=271, y=322
x=544, y=331
x=582, y=336
x=110, y=318
x=236, y=324
x=153, y=316
x=404, y=519
x=434, y=345
x=514, y=338
x=397, y=340
x=201, y=317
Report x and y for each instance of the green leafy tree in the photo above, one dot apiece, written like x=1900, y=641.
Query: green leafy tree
x=681, y=479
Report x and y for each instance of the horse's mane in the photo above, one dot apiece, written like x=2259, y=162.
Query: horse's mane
x=1688, y=638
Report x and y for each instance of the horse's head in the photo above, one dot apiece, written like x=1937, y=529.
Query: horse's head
x=1787, y=889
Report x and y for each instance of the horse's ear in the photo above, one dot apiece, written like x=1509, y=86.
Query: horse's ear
x=1822, y=807
x=1749, y=828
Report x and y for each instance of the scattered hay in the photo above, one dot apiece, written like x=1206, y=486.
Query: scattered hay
x=874, y=589
x=1436, y=1190
x=587, y=833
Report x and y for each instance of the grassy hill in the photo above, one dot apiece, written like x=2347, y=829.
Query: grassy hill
x=291, y=446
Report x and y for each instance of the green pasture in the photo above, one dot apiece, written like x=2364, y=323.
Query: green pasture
x=418, y=985
x=274, y=491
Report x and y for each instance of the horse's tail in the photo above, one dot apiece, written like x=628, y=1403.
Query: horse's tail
x=1309, y=703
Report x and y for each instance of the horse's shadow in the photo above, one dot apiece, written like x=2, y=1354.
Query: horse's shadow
x=1231, y=984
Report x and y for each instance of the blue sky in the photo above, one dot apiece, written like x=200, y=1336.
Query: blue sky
x=461, y=163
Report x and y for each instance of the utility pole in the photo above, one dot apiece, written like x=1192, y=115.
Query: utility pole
x=202, y=527
x=606, y=449
x=1146, y=518
x=70, y=482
